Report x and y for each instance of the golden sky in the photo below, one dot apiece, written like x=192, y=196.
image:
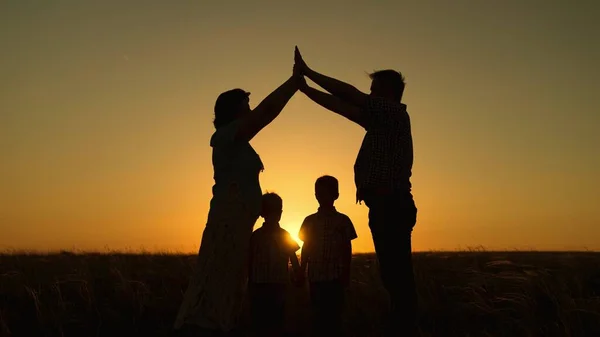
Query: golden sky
x=106, y=111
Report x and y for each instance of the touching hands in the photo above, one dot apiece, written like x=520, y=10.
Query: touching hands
x=299, y=62
x=301, y=81
x=300, y=69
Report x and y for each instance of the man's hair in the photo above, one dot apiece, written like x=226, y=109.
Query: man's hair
x=271, y=202
x=327, y=183
x=391, y=79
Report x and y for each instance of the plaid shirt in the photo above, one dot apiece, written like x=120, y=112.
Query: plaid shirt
x=270, y=251
x=324, y=234
x=385, y=158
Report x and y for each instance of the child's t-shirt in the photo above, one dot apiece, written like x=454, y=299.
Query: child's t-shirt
x=270, y=251
x=324, y=234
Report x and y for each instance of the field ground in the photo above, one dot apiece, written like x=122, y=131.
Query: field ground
x=461, y=294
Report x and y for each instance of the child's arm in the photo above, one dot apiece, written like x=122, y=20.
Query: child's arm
x=347, y=256
x=304, y=257
x=300, y=272
x=295, y=263
x=349, y=234
x=293, y=248
x=305, y=253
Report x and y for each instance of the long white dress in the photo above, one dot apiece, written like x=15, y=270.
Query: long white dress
x=216, y=290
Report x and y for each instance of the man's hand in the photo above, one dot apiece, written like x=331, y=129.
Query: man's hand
x=298, y=71
x=299, y=62
x=300, y=80
x=302, y=86
x=344, y=91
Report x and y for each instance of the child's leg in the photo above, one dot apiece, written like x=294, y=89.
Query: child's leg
x=316, y=308
x=268, y=301
x=336, y=307
x=258, y=308
x=327, y=303
x=278, y=309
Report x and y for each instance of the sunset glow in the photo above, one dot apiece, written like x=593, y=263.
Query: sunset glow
x=106, y=114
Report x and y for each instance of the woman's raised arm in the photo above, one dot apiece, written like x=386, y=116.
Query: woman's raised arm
x=268, y=109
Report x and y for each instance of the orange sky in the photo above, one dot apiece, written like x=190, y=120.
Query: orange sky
x=106, y=110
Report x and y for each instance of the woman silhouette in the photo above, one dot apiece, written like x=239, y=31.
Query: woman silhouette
x=213, y=300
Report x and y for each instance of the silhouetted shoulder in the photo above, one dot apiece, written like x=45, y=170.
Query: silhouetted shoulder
x=383, y=112
x=381, y=103
x=287, y=243
x=346, y=227
x=225, y=135
x=309, y=219
x=255, y=234
x=305, y=228
x=284, y=233
x=344, y=217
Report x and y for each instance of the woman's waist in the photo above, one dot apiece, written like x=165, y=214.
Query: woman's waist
x=248, y=188
x=250, y=194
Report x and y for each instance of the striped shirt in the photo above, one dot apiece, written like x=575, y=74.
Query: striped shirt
x=325, y=234
x=270, y=251
x=385, y=158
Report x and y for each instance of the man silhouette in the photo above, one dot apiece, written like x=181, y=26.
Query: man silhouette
x=382, y=174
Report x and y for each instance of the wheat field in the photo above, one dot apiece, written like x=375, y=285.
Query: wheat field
x=474, y=293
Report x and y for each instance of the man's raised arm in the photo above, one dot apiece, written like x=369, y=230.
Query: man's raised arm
x=339, y=89
x=336, y=105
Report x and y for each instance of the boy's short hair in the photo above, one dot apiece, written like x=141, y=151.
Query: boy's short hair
x=271, y=202
x=327, y=183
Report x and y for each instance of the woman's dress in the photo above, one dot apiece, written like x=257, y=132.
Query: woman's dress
x=216, y=291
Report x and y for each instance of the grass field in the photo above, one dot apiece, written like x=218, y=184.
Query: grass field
x=461, y=294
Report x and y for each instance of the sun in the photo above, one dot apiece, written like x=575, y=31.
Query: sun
x=297, y=239
x=293, y=227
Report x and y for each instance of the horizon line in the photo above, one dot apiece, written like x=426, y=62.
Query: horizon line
x=468, y=250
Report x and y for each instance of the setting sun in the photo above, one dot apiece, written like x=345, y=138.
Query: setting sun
x=293, y=230
x=129, y=139
x=105, y=129
x=297, y=239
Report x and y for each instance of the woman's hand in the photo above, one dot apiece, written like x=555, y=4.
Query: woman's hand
x=299, y=70
x=299, y=62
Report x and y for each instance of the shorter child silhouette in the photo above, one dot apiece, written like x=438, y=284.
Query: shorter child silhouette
x=271, y=249
x=327, y=252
